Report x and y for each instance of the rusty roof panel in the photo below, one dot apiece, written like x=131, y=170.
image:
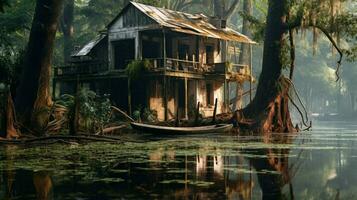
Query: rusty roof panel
x=197, y=24
x=84, y=51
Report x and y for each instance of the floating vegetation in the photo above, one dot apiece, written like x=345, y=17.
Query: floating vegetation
x=190, y=182
x=197, y=163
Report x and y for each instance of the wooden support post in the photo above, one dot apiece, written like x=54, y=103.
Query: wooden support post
x=225, y=95
x=74, y=118
x=164, y=48
x=197, y=114
x=228, y=98
x=129, y=97
x=215, y=111
x=177, y=120
x=54, y=84
x=186, y=98
x=251, y=73
x=165, y=98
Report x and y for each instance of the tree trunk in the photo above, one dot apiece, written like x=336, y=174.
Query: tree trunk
x=33, y=93
x=244, y=57
x=218, y=7
x=353, y=101
x=269, y=110
x=67, y=29
x=11, y=131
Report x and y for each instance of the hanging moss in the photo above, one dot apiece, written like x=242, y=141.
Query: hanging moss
x=136, y=68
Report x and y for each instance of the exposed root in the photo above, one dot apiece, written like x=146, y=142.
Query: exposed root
x=275, y=118
x=11, y=131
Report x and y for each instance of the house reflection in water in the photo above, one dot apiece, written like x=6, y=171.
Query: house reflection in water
x=235, y=177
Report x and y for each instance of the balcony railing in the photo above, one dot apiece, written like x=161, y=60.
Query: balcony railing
x=172, y=64
x=230, y=68
x=81, y=68
x=156, y=64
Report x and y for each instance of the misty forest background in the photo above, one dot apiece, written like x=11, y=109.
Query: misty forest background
x=81, y=21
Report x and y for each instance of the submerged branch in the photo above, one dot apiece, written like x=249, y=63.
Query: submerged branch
x=300, y=112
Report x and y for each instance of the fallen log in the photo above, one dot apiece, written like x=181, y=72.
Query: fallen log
x=111, y=129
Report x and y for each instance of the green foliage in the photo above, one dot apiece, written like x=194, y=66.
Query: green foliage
x=3, y=3
x=10, y=65
x=94, y=110
x=145, y=114
x=136, y=67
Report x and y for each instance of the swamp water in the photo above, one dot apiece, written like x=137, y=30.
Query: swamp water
x=320, y=164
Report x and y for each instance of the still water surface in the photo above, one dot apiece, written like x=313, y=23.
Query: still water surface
x=314, y=165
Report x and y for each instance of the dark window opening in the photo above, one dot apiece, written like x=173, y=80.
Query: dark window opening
x=151, y=49
x=124, y=52
x=183, y=51
x=209, y=94
x=209, y=55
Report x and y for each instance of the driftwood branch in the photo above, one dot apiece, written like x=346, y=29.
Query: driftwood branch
x=111, y=129
x=123, y=113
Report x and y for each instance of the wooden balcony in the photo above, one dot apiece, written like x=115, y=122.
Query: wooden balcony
x=177, y=65
x=232, y=71
x=82, y=68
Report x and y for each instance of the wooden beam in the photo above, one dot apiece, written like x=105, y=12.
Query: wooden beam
x=165, y=98
x=225, y=94
x=54, y=85
x=197, y=114
x=177, y=122
x=164, y=48
x=186, y=98
x=129, y=97
x=251, y=73
x=215, y=111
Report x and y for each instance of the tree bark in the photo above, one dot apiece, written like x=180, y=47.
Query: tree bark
x=269, y=110
x=67, y=29
x=34, y=92
x=11, y=131
x=244, y=57
x=218, y=7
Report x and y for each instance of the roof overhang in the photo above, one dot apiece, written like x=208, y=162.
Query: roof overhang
x=195, y=24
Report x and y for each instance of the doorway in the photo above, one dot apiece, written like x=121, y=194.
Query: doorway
x=124, y=53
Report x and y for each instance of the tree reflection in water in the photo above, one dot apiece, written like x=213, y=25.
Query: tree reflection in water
x=279, y=172
x=205, y=170
x=43, y=184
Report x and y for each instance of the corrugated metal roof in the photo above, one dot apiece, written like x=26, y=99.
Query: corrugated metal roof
x=197, y=24
x=88, y=47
